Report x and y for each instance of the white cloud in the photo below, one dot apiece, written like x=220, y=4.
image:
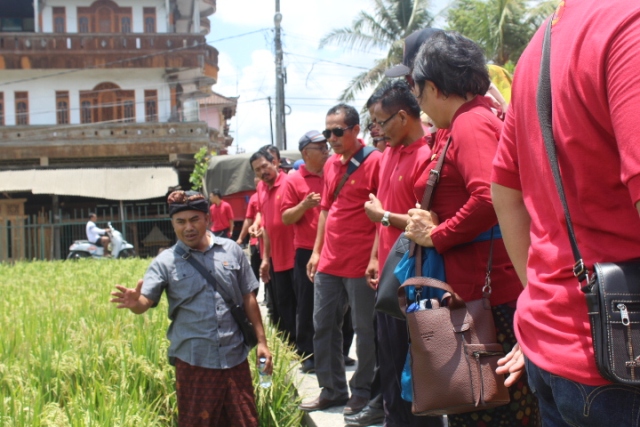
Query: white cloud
x=312, y=86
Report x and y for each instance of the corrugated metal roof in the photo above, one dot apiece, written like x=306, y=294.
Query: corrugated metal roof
x=112, y=184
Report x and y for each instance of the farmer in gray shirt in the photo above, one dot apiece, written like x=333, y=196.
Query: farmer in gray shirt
x=213, y=381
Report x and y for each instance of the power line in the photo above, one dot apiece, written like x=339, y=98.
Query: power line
x=326, y=60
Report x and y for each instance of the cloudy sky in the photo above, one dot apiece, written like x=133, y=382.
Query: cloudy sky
x=315, y=77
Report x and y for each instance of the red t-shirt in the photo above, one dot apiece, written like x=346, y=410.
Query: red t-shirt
x=252, y=211
x=348, y=234
x=400, y=168
x=596, y=100
x=221, y=215
x=298, y=186
x=462, y=201
x=280, y=235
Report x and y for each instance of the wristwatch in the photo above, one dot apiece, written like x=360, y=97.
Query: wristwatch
x=385, y=219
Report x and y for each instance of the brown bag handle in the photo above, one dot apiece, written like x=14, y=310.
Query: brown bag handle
x=455, y=301
x=425, y=204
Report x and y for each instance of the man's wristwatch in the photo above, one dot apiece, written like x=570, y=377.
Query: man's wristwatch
x=385, y=219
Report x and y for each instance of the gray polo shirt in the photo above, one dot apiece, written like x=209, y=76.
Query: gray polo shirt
x=202, y=330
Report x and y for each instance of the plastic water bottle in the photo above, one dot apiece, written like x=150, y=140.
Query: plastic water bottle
x=265, y=380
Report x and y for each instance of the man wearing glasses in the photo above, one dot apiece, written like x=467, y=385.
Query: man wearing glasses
x=395, y=113
x=338, y=264
x=301, y=209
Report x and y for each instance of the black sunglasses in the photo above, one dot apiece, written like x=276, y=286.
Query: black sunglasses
x=336, y=131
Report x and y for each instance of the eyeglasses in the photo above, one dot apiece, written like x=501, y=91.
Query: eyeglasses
x=323, y=148
x=384, y=122
x=336, y=131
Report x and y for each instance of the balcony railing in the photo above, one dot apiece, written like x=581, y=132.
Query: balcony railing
x=83, y=50
x=114, y=140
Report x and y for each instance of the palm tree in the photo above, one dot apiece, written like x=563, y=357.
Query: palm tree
x=502, y=27
x=385, y=28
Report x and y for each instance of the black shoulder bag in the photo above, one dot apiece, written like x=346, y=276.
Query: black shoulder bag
x=238, y=313
x=354, y=163
x=613, y=290
x=388, y=284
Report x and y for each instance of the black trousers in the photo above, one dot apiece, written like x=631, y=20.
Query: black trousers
x=255, y=260
x=304, y=310
x=284, y=301
x=392, y=353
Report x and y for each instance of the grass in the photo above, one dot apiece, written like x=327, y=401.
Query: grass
x=69, y=358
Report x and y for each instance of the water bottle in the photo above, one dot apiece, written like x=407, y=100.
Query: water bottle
x=265, y=380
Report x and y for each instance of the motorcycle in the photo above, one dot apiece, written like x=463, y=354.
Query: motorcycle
x=118, y=247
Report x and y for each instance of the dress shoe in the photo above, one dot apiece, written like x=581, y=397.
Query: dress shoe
x=349, y=361
x=368, y=416
x=355, y=405
x=321, y=403
x=308, y=366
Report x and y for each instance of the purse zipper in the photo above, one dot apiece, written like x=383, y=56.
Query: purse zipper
x=624, y=314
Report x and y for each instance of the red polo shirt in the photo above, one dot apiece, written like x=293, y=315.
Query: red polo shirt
x=400, y=168
x=596, y=98
x=297, y=187
x=280, y=235
x=252, y=211
x=349, y=233
x=462, y=201
x=220, y=216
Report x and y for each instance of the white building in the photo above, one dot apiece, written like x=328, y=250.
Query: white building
x=97, y=85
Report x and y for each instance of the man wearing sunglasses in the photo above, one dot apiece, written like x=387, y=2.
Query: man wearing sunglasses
x=338, y=263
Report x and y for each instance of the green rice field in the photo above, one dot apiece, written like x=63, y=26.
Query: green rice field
x=69, y=358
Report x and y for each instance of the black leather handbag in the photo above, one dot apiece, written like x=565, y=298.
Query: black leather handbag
x=238, y=313
x=613, y=289
x=388, y=285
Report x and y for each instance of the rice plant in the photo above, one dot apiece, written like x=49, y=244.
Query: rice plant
x=68, y=358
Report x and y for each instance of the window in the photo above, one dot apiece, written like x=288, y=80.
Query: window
x=129, y=111
x=151, y=105
x=1, y=109
x=85, y=111
x=62, y=107
x=83, y=24
x=22, y=108
x=149, y=19
x=59, y=20
x=125, y=24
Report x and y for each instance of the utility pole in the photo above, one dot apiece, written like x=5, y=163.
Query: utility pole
x=270, y=118
x=281, y=136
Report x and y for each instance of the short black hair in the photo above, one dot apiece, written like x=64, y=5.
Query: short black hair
x=271, y=149
x=454, y=63
x=261, y=154
x=394, y=96
x=351, y=116
x=216, y=192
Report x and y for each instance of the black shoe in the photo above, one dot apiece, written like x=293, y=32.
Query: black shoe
x=308, y=366
x=355, y=405
x=368, y=416
x=349, y=361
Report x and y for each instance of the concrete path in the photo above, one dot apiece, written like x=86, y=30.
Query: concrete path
x=308, y=389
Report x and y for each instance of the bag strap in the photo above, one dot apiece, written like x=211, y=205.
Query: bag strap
x=434, y=178
x=203, y=270
x=354, y=163
x=425, y=204
x=544, y=106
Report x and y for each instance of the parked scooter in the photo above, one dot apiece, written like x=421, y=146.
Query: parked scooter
x=118, y=247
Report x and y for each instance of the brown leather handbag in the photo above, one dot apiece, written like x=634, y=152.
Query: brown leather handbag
x=454, y=352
